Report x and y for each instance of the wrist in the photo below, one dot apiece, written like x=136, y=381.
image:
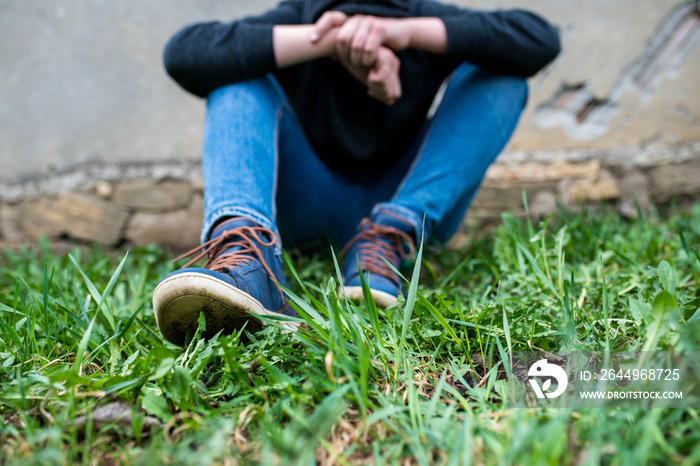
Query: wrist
x=412, y=31
x=326, y=45
x=428, y=33
x=292, y=45
x=398, y=32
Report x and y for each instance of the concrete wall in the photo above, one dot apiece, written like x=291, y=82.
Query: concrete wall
x=85, y=106
x=82, y=82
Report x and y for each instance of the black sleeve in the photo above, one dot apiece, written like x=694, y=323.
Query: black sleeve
x=205, y=56
x=513, y=41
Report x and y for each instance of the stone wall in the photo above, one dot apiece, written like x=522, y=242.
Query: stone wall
x=163, y=204
x=96, y=143
x=128, y=207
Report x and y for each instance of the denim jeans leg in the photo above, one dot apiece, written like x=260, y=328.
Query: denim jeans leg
x=474, y=121
x=239, y=153
x=314, y=204
x=257, y=163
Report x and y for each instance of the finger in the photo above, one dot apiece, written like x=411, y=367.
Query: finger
x=357, y=44
x=381, y=96
x=398, y=92
x=384, y=80
x=379, y=73
x=394, y=85
x=372, y=44
x=344, y=37
x=327, y=21
x=377, y=95
x=377, y=78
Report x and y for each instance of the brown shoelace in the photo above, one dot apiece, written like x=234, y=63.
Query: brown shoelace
x=371, y=253
x=248, y=251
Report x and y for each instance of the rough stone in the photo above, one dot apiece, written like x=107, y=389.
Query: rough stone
x=198, y=186
x=79, y=216
x=11, y=229
x=152, y=196
x=668, y=181
x=543, y=172
x=603, y=187
x=39, y=217
x=493, y=199
x=634, y=189
x=496, y=196
x=544, y=203
x=104, y=189
x=624, y=157
x=178, y=230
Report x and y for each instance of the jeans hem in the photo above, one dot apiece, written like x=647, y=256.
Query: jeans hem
x=407, y=214
x=250, y=214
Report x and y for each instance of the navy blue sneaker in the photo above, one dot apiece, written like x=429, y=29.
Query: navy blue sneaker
x=234, y=285
x=383, y=236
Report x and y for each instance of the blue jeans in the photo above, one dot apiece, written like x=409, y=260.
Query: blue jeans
x=257, y=162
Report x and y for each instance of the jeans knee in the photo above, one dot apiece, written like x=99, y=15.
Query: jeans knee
x=513, y=88
x=253, y=93
x=506, y=89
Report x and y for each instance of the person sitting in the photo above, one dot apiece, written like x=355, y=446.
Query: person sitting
x=364, y=123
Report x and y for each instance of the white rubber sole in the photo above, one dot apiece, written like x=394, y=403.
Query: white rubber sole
x=179, y=300
x=381, y=298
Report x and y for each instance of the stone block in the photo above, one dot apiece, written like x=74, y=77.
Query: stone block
x=39, y=217
x=496, y=196
x=104, y=189
x=492, y=199
x=668, y=181
x=543, y=204
x=198, y=186
x=543, y=172
x=10, y=226
x=79, y=216
x=152, y=196
x=634, y=187
x=600, y=188
x=179, y=229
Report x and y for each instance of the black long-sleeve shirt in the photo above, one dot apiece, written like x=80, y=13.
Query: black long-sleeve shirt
x=348, y=129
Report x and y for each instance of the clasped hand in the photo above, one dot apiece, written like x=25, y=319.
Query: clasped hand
x=365, y=46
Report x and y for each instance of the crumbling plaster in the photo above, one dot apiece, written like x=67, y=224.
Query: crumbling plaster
x=605, y=45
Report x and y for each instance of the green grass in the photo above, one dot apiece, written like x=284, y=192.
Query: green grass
x=404, y=385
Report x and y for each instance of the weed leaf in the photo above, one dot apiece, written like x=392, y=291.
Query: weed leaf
x=667, y=277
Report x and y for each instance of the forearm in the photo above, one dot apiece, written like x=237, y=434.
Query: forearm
x=427, y=34
x=292, y=45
